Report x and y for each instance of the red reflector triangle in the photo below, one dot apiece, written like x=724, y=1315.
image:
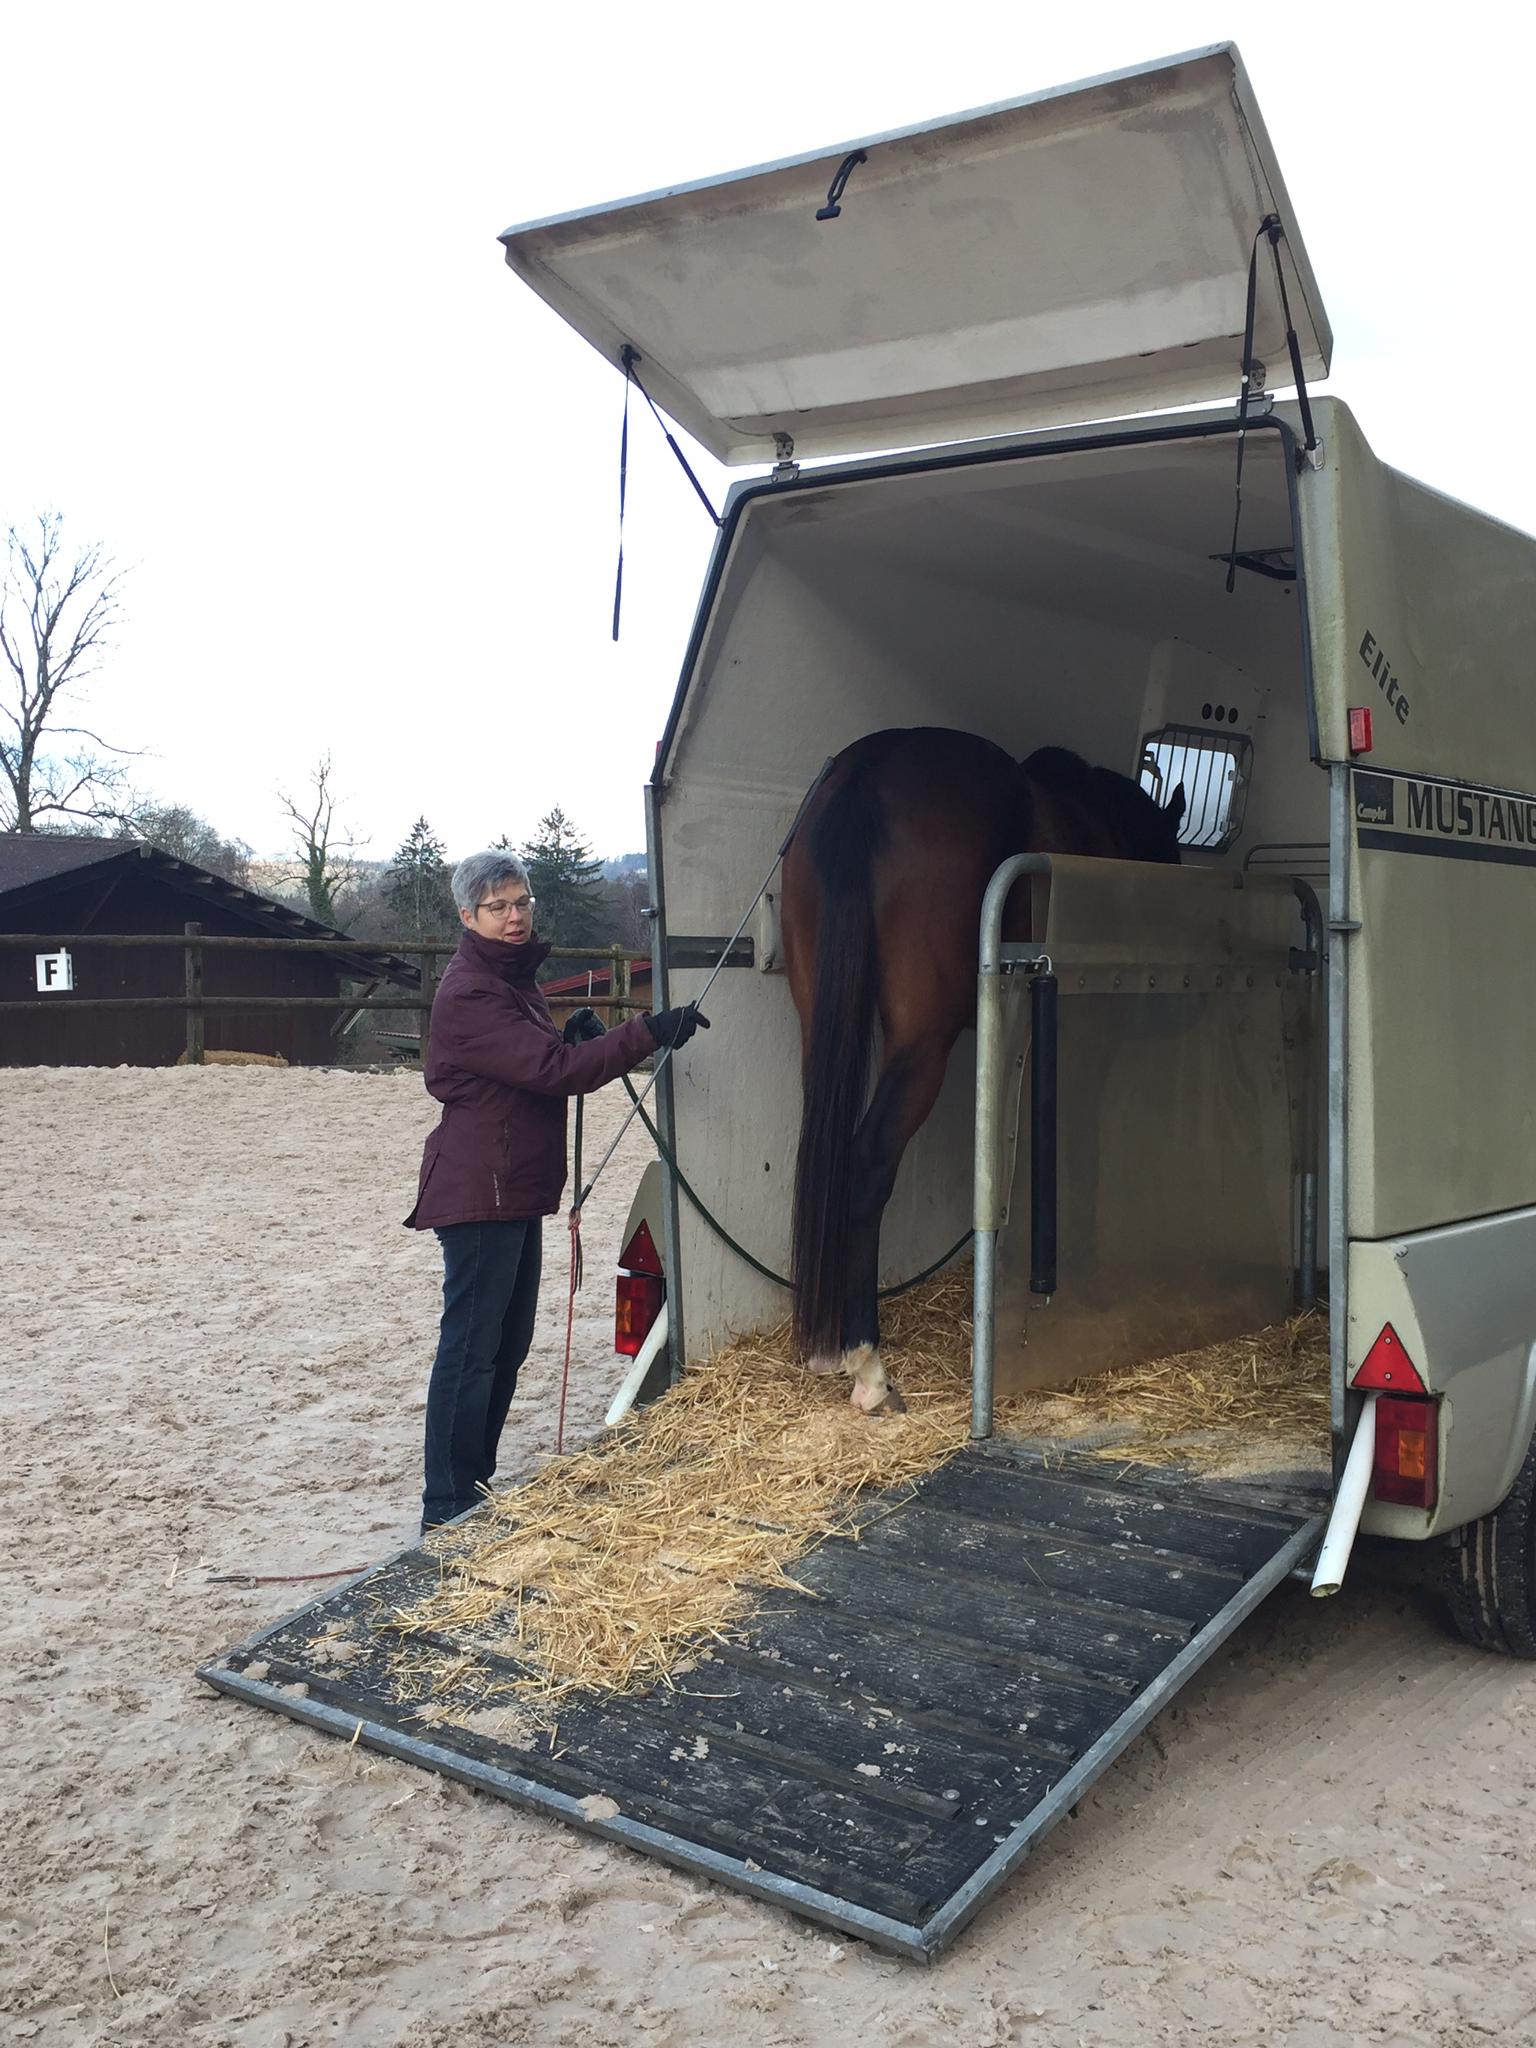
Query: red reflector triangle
x=640, y=1254
x=1388, y=1369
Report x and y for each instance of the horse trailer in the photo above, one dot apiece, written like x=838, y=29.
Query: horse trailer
x=1007, y=382
x=1329, y=654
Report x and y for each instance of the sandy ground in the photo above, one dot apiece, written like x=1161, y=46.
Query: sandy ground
x=217, y=1339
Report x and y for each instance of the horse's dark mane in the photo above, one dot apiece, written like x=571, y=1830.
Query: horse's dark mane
x=1148, y=831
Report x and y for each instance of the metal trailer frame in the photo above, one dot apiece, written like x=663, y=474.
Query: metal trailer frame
x=1262, y=418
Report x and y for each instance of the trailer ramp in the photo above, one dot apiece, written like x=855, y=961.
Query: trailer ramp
x=880, y=1752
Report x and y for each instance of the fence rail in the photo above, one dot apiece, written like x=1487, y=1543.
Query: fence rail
x=52, y=941
x=194, y=943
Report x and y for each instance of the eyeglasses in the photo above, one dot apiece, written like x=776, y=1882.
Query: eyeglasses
x=502, y=908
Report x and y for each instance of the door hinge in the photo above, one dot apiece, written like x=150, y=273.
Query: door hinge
x=786, y=469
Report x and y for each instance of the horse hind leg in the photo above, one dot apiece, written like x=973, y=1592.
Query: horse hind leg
x=908, y=1088
x=872, y=1390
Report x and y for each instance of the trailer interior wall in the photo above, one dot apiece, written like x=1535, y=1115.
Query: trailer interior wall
x=1065, y=596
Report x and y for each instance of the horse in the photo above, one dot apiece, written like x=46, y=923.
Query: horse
x=880, y=910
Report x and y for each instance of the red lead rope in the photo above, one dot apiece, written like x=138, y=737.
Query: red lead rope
x=570, y=1318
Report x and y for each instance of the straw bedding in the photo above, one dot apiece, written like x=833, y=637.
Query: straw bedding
x=606, y=1570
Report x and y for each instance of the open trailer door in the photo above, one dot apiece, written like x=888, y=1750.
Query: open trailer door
x=878, y=1752
x=1073, y=255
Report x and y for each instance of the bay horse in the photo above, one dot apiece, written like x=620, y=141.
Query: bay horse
x=881, y=910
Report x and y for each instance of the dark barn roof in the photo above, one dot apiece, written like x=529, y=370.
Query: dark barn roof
x=35, y=866
x=594, y=987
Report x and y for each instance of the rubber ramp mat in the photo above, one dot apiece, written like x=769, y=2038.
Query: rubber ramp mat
x=880, y=1752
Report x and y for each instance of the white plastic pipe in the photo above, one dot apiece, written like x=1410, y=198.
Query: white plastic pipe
x=1349, y=1502
x=633, y=1380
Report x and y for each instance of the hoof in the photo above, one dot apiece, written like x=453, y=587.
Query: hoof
x=824, y=1364
x=888, y=1403
x=871, y=1388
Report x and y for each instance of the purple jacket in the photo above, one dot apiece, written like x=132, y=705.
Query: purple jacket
x=498, y=1065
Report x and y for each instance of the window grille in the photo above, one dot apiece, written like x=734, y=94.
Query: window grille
x=1214, y=770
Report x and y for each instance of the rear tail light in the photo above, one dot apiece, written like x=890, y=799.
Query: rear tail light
x=1406, y=1468
x=637, y=1306
x=641, y=1292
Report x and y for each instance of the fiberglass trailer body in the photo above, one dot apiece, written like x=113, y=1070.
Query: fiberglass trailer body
x=1305, y=1051
x=1086, y=585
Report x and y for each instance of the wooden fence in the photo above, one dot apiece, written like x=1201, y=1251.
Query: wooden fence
x=195, y=943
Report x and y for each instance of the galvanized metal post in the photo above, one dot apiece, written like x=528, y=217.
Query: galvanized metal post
x=989, y=1195
x=666, y=1102
x=193, y=961
x=1341, y=924
x=1042, y=1136
x=1307, y=1108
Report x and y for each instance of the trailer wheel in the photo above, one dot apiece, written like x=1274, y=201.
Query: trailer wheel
x=1491, y=1583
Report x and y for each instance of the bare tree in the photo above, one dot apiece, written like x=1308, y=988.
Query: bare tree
x=56, y=617
x=177, y=829
x=331, y=870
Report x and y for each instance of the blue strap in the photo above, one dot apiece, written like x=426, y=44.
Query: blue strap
x=1243, y=396
x=618, y=578
x=628, y=357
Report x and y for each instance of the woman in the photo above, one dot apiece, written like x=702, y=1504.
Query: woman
x=495, y=1165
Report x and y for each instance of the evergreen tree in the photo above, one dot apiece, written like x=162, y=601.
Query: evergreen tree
x=418, y=883
x=565, y=880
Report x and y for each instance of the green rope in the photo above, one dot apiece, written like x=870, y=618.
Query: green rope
x=886, y=1293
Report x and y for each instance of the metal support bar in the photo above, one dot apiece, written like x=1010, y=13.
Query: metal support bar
x=1340, y=925
x=1042, y=1136
x=1307, y=1161
x=666, y=1103
x=989, y=1195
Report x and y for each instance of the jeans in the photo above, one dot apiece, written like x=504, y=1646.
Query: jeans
x=490, y=1293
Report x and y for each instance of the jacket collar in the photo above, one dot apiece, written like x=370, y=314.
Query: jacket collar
x=515, y=964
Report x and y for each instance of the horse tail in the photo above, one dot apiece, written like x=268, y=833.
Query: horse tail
x=835, y=1073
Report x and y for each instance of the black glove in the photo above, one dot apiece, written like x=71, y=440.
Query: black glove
x=582, y=1025
x=676, y=1027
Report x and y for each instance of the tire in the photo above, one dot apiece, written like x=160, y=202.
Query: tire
x=1491, y=1580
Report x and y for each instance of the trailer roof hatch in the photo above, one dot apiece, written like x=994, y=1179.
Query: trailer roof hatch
x=1074, y=255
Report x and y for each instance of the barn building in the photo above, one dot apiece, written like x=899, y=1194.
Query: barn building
x=593, y=987
x=67, y=888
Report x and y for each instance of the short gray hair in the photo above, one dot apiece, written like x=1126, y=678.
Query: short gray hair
x=475, y=878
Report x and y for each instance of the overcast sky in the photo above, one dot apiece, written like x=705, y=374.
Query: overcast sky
x=259, y=339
